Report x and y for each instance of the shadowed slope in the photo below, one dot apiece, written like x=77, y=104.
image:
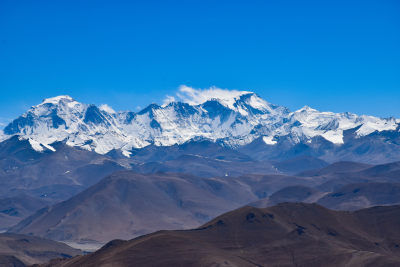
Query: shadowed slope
x=286, y=235
x=18, y=250
x=356, y=196
x=127, y=204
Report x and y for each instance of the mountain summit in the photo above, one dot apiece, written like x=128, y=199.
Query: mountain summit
x=233, y=118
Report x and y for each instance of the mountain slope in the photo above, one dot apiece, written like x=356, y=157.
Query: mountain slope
x=127, y=204
x=299, y=164
x=21, y=250
x=356, y=196
x=14, y=209
x=295, y=193
x=24, y=168
x=342, y=186
x=207, y=167
x=30, y=180
x=284, y=235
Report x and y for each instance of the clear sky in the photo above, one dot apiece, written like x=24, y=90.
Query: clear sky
x=331, y=55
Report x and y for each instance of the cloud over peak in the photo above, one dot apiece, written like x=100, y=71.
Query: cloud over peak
x=194, y=96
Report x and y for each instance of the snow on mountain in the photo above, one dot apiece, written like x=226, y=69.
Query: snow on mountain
x=308, y=123
x=196, y=97
x=233, y=117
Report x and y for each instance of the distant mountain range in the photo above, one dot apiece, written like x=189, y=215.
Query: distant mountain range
x=237, y=119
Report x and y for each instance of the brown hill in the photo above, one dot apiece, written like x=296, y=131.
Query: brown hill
x=206, y=167
x=348, y=197
x=21, y=250
x=30, y=180
x=294, y=193
x=339, y=174
x=14, y=209
x=337, y=167
x=127, y=204
x=284, y=235
x=356, y=196
x=300, y=164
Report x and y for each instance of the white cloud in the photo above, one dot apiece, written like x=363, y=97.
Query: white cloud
x=107, y=109
x=195, y=96
x=168, y=99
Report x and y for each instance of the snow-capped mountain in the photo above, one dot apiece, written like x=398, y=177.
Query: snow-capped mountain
x=234, y=118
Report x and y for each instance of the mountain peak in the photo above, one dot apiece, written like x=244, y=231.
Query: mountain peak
x=238, y=101
x=307, y=109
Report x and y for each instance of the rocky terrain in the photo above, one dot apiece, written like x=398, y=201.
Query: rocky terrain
x=24, y=250
x=284, y=235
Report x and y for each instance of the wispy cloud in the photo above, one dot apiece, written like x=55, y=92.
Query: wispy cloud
x=196, y=96
x=107, y=108
x=168, y=99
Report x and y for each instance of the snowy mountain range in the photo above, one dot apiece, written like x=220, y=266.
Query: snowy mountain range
x=232, y=118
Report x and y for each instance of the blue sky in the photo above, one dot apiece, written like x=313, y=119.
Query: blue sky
x=330, y=55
